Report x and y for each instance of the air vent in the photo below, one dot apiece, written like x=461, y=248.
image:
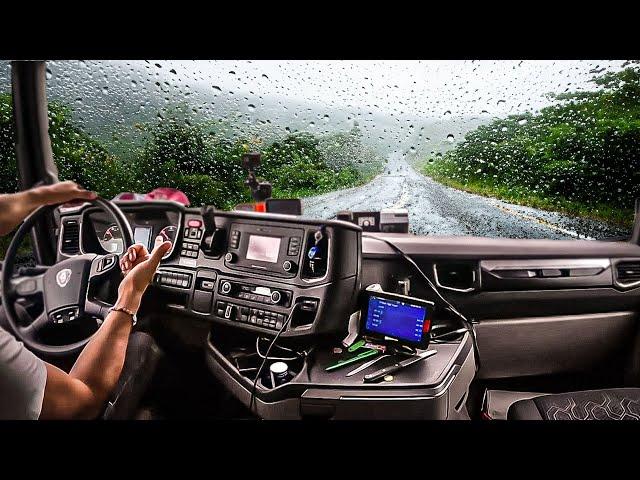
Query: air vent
x=459, y=277
x=70, y=238
x=627, y=272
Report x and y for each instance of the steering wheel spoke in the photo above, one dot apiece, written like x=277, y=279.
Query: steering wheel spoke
x=36, y=325
x=26, y=286
x=103, y=265
x=95, y=308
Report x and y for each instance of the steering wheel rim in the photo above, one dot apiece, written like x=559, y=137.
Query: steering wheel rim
x=69, y=279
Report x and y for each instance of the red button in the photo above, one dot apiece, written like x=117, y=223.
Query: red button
x=194, y=223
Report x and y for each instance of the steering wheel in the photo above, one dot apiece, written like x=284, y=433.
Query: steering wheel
x=64, y=286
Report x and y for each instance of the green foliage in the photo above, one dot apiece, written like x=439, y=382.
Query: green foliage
x=8, y=168
x=581, y=154
x=193, y=158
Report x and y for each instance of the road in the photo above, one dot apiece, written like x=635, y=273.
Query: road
x=435, y=209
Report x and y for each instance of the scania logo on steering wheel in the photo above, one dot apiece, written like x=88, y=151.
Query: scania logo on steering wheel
x=63, y=277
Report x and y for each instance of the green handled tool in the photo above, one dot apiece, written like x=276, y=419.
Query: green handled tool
x=348, y=361
x=356, y=345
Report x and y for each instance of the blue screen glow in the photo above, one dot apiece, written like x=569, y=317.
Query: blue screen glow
x=396, y=319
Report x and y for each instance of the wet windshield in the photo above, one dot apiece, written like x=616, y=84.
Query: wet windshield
x=519, y=149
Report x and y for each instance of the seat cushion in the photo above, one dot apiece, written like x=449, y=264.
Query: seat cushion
x=611, y=404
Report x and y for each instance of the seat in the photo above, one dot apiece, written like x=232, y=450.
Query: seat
x=609, y=404
x=140, y=363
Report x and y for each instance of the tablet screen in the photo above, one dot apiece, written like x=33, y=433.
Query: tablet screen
x=397, y=319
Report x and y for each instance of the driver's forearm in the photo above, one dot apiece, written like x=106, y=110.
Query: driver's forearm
x=82, y=393
x=15, y=207
x=100, y=363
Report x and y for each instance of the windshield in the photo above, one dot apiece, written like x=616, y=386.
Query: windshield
x=519, y=149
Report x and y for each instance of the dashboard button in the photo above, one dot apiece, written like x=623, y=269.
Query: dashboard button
x=206, y=285
x=202, y=301
x=289, y=266
x=194, y=222
x=276, y=296
x=230, y=312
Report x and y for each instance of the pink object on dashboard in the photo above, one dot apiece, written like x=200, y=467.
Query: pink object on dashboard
x=166, y=193
x=129, y=196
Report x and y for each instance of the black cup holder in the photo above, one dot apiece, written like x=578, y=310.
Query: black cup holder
x=247, y=361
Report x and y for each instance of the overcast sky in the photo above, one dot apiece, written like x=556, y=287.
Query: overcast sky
x=399, y=104
x=422, y=88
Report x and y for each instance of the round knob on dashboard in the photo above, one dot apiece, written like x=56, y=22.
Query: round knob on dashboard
x=289, y=266
x=229, y=257
x=226, y=287
x=276, y=296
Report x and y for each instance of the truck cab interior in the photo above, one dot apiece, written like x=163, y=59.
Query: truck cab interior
x=532, y=316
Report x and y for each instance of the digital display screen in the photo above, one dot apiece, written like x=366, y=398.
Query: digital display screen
x=397, y=319
x=264, y=249
x=142, y=235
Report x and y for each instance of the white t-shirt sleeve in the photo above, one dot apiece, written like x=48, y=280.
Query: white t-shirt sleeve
x=23, y=377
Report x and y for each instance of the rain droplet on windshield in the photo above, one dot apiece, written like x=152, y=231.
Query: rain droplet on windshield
x=450, y=138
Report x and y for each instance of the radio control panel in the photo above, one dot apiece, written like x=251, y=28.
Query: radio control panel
x=255, y=293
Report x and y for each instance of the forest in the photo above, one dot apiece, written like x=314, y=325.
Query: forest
x=194, y=158
x=581, y=155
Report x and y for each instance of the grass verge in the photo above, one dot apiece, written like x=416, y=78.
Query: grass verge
x=523, y=196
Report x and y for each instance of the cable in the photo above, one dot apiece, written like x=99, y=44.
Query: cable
x=266, y=357
x=468, y=324
x=283, y=359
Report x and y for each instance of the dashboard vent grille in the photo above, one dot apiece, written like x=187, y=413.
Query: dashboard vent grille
x=460, y=277
x=628, y=271
x=70, y=237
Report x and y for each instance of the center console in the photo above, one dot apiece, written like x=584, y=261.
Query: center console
x=257, y=270
x=253, y=276
x=434, y=389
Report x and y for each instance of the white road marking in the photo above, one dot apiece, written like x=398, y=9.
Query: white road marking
x=543, y=222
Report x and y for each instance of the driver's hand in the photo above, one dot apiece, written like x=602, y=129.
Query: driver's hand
x=139, y=267
x=135, y=254
x=62, y=192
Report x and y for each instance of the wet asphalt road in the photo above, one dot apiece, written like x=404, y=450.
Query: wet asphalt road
x=435, y=209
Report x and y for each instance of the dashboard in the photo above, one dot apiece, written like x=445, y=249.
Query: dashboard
x=257, y=272
x=254, y=271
